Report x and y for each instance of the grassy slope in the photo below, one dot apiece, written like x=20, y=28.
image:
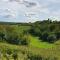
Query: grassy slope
x=20, y=49
x=38, y=43
x=41, y=48
x=35, y=49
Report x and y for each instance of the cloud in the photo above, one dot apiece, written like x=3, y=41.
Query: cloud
x=29, y=4
x=7, y=13
x=29, y=10
x=54, y=1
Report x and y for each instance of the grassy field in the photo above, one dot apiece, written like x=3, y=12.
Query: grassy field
x=35, y=42
x=43, y=49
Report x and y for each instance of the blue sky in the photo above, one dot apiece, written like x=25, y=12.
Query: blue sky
x=29, y=10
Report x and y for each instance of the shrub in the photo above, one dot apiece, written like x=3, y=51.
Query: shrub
x=51, y=38
x=25, y=39
x=58, y=35
x=44, y=36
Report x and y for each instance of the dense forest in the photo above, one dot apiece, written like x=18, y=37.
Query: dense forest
x=16, y=38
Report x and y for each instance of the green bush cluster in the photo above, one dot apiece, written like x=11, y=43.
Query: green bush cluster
x=10, y=34
x=46, y=30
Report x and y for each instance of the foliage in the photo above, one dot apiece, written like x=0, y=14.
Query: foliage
x=46, y=30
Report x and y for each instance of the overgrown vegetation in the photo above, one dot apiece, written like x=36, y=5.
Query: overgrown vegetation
x=11, y=35
x=48, y=30
x=30, y=41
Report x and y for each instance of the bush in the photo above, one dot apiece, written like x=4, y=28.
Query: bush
x=58, y=35
x=24, y=40
x=2, y=35
x=51, y=38
x=44, y=36
x=12, y=39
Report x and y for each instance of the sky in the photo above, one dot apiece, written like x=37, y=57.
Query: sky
x=29, y=10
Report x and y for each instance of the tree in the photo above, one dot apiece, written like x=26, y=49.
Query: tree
x=52, y=27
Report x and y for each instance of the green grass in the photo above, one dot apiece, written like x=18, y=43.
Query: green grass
x=35, y=42
x=21, y=29
x=36, y=47
x=20, y=49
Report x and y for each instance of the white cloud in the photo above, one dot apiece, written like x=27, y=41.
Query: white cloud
x=54, y=1
x=9, y=9
x=32, y=8
x=7, y=13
